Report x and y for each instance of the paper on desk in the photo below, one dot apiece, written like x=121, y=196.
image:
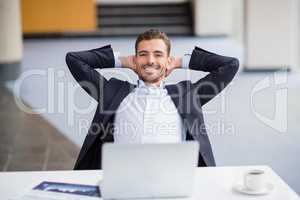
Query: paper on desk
x=61, y=191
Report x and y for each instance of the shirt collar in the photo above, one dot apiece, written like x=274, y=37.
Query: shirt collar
x=144, y=89
x=141, y=83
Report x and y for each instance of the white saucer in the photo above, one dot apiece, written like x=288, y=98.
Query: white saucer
x=242, y=189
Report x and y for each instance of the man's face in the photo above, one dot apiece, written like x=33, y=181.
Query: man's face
x=152, y=60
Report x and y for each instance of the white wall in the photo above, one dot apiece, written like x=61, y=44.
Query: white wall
x=272, y=33
x=213, y=17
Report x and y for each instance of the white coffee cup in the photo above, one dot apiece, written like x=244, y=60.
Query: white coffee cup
x=255, y=179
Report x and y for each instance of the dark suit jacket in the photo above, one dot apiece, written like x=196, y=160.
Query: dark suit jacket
x=188, y=98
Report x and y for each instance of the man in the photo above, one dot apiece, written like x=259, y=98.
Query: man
x=149, y=111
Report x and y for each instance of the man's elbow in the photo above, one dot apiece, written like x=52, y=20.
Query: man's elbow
x=235, y=64
x=69, y=58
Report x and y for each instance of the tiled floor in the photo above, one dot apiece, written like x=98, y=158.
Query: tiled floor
x=28, y=142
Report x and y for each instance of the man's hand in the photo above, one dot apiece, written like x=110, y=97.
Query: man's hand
x=128, y=62
x=175, y=63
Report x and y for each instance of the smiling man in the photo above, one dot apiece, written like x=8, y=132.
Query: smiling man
x=152, y=61
x=148, y=111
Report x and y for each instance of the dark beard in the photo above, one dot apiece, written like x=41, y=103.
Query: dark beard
x=161, y=77
x=151, y=81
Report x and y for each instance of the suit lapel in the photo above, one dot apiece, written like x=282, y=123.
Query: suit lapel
x=124, y=90
x=180, y=96
x=173, y=92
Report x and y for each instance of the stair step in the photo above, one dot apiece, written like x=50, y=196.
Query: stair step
x=142, y=10
x=143, y=20
x=131, y=20
x=171, y=30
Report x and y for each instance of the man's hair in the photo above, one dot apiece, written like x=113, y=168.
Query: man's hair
x=153, y=34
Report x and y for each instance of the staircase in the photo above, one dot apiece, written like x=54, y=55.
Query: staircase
x=132, y=19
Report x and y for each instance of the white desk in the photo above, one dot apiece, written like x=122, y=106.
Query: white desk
x=212, y=183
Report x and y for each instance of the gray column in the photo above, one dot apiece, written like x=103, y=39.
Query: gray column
x=10, y=39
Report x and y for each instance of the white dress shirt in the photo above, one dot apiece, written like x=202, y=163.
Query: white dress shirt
x=148, y=115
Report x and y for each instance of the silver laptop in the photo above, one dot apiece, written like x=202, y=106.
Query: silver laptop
x=148, y=170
